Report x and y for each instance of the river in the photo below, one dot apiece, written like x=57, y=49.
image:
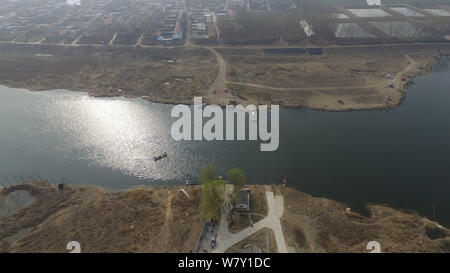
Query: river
x=399, y=157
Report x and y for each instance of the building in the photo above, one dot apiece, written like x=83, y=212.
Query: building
x=243, y=201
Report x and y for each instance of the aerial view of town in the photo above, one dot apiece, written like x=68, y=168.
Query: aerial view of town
x=95, y=160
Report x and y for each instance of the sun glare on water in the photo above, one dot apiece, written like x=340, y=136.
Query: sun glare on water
x=116, y=133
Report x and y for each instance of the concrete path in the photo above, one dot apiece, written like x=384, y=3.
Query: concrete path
x=225, y=239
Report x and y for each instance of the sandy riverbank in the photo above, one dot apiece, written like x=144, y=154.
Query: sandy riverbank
x=146, y=219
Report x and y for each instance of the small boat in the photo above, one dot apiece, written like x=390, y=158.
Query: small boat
x=159, y=157
x=285, y=181
x=189, y=182
x=253, y=115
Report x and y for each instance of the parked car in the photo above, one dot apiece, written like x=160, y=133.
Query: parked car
x=213, y=241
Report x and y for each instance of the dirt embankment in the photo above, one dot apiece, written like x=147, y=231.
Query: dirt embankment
x=164, y=75
x=323, y=225
x=146, y=219
x=141, y=219
x=340, y=79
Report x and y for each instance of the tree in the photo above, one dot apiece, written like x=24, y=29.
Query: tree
x=212, y=199
x=236, y=176
x=208, y=173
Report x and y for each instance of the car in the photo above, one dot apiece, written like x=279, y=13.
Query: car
x=213, y=241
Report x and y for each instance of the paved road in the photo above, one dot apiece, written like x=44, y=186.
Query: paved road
x=225, y=239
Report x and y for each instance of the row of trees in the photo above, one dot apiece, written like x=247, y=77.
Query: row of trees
x=213, y=189
x=210, y=173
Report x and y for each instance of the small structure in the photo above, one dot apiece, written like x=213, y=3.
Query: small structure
x=373, y=2
x=189, y=181
x=307, y=28
x=185, y=193
x=253, y=116
x=243, y=202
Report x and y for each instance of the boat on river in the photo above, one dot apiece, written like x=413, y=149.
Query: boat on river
x=159, y=157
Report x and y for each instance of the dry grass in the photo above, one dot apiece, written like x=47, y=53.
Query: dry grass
x=341, y=79
x=103, y=72
x=146, y=219
x=263, y=239
x=326, y=227
x=130, y=221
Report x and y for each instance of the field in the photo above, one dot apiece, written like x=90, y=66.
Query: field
x=280, y=26
x=339, y=79
x=262, y=28
x=146, y=219
x=162, y=74
x=136, y=220
x=355, y=77
x=308, y=227
x=328, y=55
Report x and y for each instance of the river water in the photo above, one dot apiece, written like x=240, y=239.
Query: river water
x=399, y=157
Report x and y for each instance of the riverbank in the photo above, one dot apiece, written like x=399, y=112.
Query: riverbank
x=341, y=79
x=146, y=219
